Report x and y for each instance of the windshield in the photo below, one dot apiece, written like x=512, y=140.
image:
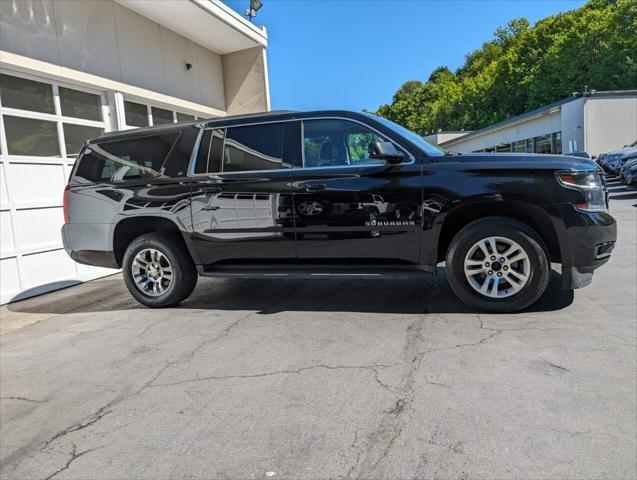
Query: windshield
x=414, y=138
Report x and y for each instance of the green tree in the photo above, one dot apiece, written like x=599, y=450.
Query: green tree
x=524, y=67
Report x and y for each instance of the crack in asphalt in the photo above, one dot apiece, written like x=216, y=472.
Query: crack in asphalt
x=23, y=399
x=74, y=456
x=371, y=367
x=108, y=407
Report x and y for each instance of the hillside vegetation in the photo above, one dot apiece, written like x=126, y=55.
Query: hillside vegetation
x=524, y=67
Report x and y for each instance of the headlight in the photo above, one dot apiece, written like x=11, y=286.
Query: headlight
x=590, y=184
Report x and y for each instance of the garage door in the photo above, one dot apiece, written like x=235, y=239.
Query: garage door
x=42, y=126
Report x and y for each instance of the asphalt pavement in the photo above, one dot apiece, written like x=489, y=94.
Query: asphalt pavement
x=317, y=379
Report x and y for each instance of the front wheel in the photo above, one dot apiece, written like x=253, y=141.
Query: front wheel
x=497, y=264
x=158, y=270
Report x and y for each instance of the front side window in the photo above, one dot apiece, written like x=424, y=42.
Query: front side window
x=257, y=147
x=329, y=143
x=414, y=138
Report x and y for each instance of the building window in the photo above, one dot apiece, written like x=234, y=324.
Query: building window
x=543, y=144
x=77, y=104
x=519, y=146
x=503, y=147
x=136, y=114
x=184, y=117
x=161, y=116
x=557, y=143
x=24, y=94
x=143, y=115
x=44, y=119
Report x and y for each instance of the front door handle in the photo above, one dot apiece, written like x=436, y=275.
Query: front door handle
x=315, y=187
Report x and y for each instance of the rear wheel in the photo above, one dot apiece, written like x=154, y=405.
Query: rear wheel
x=497, y=264
x=158, y=270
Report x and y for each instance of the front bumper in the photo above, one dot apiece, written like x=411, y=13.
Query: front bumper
x=586, y=242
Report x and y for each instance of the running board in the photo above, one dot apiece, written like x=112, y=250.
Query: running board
x=317, y=271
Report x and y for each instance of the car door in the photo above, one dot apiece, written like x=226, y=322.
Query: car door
x=349, y=206
x=239, y=197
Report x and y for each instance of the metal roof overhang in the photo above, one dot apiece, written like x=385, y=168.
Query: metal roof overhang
x=209, y=23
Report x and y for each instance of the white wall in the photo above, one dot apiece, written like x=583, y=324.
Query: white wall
x=438, y=138
x=572, y=120
x=546, y=123
x=245, y=73
x=106, y=39
x=611, y=123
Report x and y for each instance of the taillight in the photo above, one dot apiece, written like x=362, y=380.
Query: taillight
x=65, y=204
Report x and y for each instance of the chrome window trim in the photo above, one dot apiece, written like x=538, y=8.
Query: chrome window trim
x=205, y=126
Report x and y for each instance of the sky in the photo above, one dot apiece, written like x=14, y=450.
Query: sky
x=354, y=54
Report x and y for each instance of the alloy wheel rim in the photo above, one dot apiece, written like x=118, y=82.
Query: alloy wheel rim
x=310, y=208
x=152, y=272
x=497, y=267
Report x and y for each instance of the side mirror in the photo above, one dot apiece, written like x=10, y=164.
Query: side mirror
x=385, y=151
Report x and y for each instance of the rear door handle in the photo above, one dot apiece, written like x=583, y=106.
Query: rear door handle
x=314, y=187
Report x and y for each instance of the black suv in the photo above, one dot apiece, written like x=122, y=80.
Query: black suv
x=330, y=193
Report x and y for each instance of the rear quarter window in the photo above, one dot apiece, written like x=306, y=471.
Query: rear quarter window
x=165, y=155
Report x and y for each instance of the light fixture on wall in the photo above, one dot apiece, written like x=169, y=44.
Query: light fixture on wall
x=251, y=12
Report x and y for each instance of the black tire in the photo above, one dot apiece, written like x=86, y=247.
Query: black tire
x=184, y=271
x=520, y=233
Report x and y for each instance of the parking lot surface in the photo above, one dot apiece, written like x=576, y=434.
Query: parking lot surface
x=324, y=379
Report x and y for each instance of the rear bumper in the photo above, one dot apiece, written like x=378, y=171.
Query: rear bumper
x=586, y=241
x=89, y=243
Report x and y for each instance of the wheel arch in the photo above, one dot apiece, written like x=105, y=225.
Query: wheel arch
x=532, y=215
x=128, y=229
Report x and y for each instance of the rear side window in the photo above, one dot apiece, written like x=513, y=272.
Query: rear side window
x=257, y=147
x=129, y=159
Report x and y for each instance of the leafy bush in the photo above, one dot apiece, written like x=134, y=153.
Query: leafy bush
x=524, y=67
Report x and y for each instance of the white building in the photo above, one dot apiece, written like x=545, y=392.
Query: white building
x=596, y=123
x=71, y=69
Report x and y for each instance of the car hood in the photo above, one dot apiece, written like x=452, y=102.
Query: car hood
x=526, y=161
x=622, y=151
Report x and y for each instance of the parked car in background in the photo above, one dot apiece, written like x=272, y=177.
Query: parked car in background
x=332, y=193
x=579, y=154
x=611, y=161
x=631, y=177
x=625, y=164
